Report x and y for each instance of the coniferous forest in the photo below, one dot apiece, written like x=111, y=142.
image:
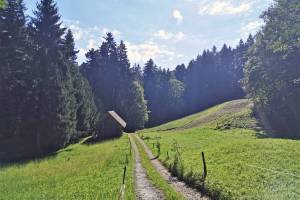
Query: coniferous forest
x=48, y=100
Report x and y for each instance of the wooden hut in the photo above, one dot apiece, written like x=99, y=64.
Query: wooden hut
x=111, y=125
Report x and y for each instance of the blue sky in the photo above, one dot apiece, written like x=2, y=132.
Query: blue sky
x=169, y=31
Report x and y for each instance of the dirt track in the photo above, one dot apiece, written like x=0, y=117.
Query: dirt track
x=179, y=186
x=144, y=188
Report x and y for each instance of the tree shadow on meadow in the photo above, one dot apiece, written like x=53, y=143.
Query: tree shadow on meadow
x=23, y=162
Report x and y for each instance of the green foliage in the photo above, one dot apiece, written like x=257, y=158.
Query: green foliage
x=87, y=113
x=164, y=94
x=44, y=98
x=54, y=113
x=114, y=84
x=78, y=172
x=16, y=78
x=134, y=107
x=2, y=3
x=240, y=164
x=272, y=72
x=213, y=77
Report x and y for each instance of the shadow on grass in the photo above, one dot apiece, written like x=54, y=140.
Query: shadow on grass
x=36, y=159
x=25, y=161
x=91, y=140
x=270, y=134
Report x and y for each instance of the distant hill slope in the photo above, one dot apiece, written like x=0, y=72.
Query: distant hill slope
x=232, y=114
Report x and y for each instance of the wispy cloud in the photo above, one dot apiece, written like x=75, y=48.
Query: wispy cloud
x=223, y=7
x=88, y=37
x=250, y=28
x=142, y=52
x=177, y=16
x=165, y=35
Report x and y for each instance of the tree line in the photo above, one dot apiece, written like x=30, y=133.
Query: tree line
x=48, y=100
x=213, y=77
x=45, y=101
x=272, y=73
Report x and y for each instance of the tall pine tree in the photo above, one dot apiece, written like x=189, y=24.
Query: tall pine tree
x=15, y=78
x=87, y=113
x=54, y=103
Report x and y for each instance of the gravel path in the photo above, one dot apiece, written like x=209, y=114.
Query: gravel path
x=179, y=186
x=144, y=188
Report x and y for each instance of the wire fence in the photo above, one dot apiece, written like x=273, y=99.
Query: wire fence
x=121, y=194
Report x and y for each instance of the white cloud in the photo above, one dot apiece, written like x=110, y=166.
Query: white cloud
x=81, y=54
x=141, y=53
x=180, y=35
x=88, y=37
x=223, y=7
x=92, y=44
x=86, y=33
x=164, y=35
x=178, y=16
x=252, y=26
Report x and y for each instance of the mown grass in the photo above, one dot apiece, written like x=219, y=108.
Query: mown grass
x=155, y=177
x=77, y=172
x=240, y=164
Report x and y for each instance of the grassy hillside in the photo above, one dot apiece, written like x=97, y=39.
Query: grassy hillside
x=241, y=164
x=78, y=172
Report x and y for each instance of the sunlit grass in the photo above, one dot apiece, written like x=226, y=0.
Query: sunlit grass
x=155, y=177
x=240, y=165
x=78, y=172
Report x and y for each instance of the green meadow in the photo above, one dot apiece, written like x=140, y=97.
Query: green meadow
x=242, y=162
x=77, y=172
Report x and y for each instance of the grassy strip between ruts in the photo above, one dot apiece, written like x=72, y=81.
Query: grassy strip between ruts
x=155, y=177
x=78, y=172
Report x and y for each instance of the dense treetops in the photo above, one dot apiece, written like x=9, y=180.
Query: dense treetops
x=114, y=83
x=44, y=99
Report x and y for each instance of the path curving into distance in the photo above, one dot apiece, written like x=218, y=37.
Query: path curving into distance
x=144, y=188
x=179, y=186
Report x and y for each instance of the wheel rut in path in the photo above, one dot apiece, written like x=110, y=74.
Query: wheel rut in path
x=143, y=186
x=179, y=186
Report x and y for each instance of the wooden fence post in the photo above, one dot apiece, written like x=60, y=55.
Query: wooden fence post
x=204, y=166
x=124, y=175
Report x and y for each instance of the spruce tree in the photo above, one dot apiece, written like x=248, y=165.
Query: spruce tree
x=15, y=78
x=130, y=103
x=55, y=105
x=86, y=110
x=69, y=46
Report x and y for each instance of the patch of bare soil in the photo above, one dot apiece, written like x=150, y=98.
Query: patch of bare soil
x=143, y=186
x=179, y=186
x=232, y=107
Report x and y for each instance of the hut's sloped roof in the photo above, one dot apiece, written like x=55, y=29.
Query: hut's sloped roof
x=117, y=118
